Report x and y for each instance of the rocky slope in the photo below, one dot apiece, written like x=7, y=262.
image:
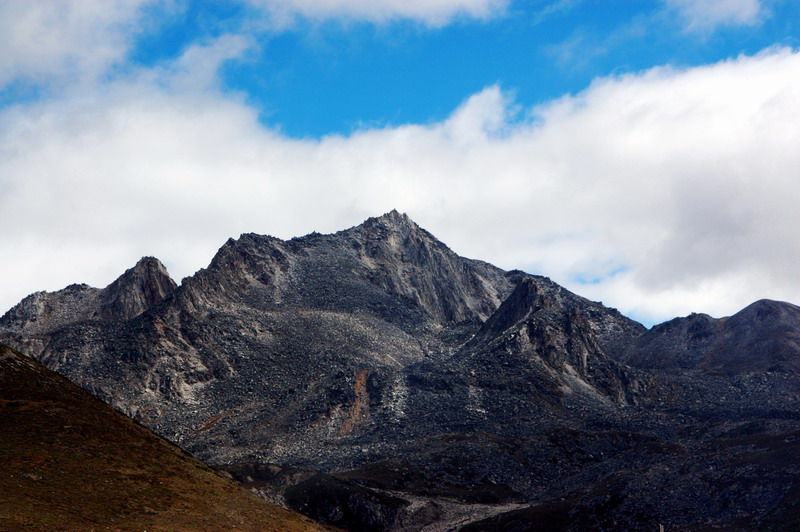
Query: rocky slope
x=764, y=337
x=72, y=463
x=376, y=380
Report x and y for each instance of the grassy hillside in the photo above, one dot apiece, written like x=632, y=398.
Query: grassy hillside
x=70, y=462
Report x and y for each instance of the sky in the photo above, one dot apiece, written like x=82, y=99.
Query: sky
x=642, y=153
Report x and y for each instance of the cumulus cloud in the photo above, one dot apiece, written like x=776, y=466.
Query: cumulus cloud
x=660, y=193
x=704, y=15
x=430, y=12
x=52, y=39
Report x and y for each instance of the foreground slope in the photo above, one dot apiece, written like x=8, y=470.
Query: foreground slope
x=69, y=462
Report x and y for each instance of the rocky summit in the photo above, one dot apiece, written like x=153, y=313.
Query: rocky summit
x=374, y=380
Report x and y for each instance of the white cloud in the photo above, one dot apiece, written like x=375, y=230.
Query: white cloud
x=552, y=9
x=61, y=43
x=45, y=40
x=673, y=190
x=704, y=15
x=430, y=12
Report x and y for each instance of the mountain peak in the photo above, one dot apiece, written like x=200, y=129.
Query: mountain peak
x=766, y=309
x=392, y=219
x=150, y=264
x=395, y=216
x=136, y=290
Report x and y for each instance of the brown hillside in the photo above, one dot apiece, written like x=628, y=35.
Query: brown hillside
x=70, y=462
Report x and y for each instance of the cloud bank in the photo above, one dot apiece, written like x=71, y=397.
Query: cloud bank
x=660, y=193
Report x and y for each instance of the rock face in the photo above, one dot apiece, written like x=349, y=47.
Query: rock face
x=137, y=290
x=545, y=334
x=374, y=379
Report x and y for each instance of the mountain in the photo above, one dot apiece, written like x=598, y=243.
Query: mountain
x=138, y=289
x=72, y=463
x=763, y=337
x=376, y=380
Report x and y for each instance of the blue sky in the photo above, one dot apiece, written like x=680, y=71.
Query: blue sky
x=642, y=153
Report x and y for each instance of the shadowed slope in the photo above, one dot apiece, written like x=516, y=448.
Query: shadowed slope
x=69, y=462
x=764, y=336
